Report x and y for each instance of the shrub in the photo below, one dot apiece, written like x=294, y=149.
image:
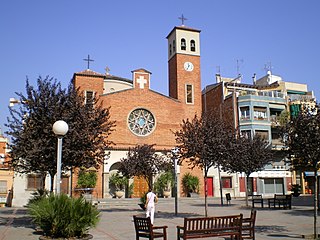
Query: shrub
x=164, y=182
x=38, y=195
x=190, y=183
x=130, y=189
x=60, y=216
x=119, y=182
x=87, y=179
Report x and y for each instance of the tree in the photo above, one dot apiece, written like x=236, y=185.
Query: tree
x=204, y=142
x=249, y=155
x=143, y=161
x=33, y=143
x=302, y=136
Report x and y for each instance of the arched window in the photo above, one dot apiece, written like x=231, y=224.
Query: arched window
x=170, y=51
x=192, y=45
x=183, y=44
x=174, y=46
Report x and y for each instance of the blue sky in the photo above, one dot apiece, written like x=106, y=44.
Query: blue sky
x=53, y=37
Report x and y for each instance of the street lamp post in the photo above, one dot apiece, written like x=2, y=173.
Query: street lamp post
x=60, y=128
x=175, y=158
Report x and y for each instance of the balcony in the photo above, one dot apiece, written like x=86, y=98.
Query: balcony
x=300, y=97
x=266, y=96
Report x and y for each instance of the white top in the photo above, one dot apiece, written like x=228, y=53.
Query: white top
x=151, y=196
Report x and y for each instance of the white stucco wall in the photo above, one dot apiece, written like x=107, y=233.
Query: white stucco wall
x=21, y=195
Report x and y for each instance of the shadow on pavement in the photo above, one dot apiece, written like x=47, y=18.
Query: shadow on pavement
x=116, y=210
x=10, y=211
x=270, y=229
x=285, y=236
x=17, y=222
x=170, y=215
x=213, y=205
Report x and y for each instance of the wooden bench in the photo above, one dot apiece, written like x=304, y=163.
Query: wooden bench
x=280, y=200
x=257, y=199
x=145, y=229
x=248, y=226
x=206, y=227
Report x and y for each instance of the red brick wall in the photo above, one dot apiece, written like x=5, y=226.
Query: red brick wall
x=230, y=111
x=89, y=83
x=213, y=101
x=179, y=77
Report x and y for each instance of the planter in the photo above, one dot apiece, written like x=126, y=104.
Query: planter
x=85, y=237
x=119, y=194
x=193, y=195
x=166, y=194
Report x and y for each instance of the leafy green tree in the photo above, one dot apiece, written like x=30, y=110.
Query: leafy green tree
x=143, y=161
x=33, y=143
x=302, y=135
x=204, y=142
x=249, y=155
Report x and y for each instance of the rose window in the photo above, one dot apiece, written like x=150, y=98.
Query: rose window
x=141, y=122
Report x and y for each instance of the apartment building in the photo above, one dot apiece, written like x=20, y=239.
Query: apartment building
x=6, y=174
x=258, y=109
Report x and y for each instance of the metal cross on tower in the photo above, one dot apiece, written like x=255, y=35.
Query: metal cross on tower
x=88, y=60
x=182, y=18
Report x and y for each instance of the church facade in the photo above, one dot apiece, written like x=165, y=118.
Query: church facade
x=144, y=116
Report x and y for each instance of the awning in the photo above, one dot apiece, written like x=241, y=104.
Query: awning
x=310, y=174
x=277, y=106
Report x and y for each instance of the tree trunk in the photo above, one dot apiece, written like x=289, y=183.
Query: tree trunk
x=246, y=187
x=52, y=182
x=315, y=233
x=205, y=194
x=71, y=182
x=220, y=183
x=43, y=180
x=150, y=182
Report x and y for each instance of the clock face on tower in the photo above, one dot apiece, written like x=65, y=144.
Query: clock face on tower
x=188, y=66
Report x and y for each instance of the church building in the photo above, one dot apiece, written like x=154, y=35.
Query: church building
x=142, y=115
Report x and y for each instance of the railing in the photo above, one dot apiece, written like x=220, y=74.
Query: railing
x=244, y=118
x=273, y=94
x=261, y=118
x=299, y=97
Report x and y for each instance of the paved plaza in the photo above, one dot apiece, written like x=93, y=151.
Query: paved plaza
x=116, y=218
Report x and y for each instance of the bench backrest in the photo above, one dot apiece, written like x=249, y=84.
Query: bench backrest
x=256, y=197
x=281, y=196
x=142, y=224
x=221, y=222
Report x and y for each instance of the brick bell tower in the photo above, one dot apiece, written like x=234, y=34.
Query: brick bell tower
x=185, y=81
x=184, y=68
